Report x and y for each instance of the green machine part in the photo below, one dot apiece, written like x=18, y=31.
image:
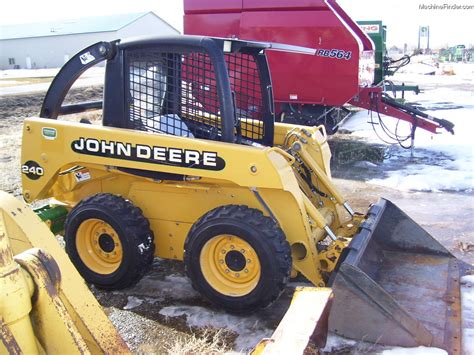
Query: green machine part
x=53, y=216
x=378, y=34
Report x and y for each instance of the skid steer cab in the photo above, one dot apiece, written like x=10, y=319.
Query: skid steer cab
x=189, y=164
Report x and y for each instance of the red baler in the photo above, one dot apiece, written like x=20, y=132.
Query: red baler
x=308, y=89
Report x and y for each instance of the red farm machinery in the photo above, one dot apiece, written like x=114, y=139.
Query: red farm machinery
x=308, y=89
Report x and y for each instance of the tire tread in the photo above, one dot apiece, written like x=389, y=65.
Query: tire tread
x=136, y=228
x=268, y=229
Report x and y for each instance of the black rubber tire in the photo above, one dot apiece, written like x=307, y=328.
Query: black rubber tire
x=133, y=230
x=265, y=237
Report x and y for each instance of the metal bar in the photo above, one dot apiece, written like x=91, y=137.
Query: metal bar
x=453, y=326
x=308, y=159
x=70, y=72
x=371, y=99
x=441, y=122
x=80, y=107
x=263, y=203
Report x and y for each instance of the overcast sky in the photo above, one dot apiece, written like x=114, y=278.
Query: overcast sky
x=403, y=17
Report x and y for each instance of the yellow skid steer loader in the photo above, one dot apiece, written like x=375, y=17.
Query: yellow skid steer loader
x=189, y=164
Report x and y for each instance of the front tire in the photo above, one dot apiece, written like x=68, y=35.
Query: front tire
x=109, y=241
x=237, y=258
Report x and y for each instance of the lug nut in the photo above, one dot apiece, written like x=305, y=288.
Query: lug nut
x=227, y=271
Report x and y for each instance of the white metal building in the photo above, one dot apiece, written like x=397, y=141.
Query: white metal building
x=51, y=44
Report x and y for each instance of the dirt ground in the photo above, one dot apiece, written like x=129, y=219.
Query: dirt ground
x=13, y=109
x=137, y=312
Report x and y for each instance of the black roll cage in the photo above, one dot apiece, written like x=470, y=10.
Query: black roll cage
x=114, y=105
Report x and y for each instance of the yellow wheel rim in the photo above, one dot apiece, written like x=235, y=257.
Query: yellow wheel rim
x=99, y=246
x=230, y=265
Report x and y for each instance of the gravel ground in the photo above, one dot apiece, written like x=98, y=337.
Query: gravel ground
x=143, y=335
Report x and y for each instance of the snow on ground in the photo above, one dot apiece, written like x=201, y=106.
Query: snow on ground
x=467, y=307
x=250, y=329
x=338, y=344
x=45, y=73
x=421, y=350
x=422, y=66
x=335, y=343
x=93, y=76
x=28, y=73
x=441, y=162
x=132, y=302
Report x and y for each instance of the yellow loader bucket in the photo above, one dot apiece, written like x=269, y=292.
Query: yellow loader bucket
x=396, y=285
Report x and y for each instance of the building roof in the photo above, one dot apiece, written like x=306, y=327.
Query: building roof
x=76, y=26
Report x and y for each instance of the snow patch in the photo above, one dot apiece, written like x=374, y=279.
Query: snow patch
x=467, y=313
x=335, y=342
x=427, y=178
x=93, y=76
x=8, y=82
x=28, y=73
x=250, y=329
x=133, y=302
x=420, y=68
x=45, y=72
x=421, y=350
x=450, y=73
x=365, y=164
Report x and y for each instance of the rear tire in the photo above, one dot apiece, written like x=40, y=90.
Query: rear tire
x=109, y=241
x=237, y=258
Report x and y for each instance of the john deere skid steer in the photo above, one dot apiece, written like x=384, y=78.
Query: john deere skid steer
x=177, y=171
